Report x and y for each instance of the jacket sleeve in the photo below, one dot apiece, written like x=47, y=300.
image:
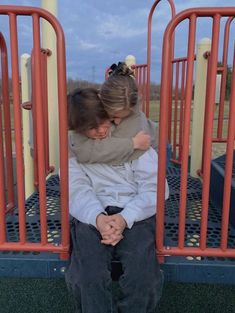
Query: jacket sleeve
x=116, y=149
x=151, y=128
x=83, y=203
x=143, y=205
x=110, y=150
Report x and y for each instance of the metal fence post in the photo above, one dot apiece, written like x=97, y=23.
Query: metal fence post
x=49, y=42
x=26, y=120
x=199, y=105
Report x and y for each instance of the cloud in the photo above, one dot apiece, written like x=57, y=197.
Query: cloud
x=124, y=26
x=99, y=33
x=86, y=45
x=114, y=29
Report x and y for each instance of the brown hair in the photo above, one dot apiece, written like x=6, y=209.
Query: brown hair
x=119, y=91
x=85, y=110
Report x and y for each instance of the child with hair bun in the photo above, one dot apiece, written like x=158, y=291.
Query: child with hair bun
x=131, y=134
x=113, y=209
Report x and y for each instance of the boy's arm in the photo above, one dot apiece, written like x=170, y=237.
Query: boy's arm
x=83, y=203
x=143, y=205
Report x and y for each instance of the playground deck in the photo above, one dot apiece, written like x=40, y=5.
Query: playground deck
x=181, y=269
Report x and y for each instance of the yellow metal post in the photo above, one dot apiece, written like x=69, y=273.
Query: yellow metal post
x=49, y=42
x=199, y=105
x=130, y=60
x=26, y=121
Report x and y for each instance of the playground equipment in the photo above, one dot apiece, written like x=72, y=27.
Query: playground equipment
x=195, y=241
x=18, y=237
x=197, y=201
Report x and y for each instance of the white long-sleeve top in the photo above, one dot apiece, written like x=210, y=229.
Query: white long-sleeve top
x=131, y=186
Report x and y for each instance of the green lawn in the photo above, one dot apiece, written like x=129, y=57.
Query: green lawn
x=217, y=148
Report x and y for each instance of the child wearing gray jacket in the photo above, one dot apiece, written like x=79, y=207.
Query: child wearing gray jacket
x=113, y=209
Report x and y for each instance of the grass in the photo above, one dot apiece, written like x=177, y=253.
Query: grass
x=217, y=148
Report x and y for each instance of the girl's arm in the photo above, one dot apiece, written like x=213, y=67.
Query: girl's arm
x=83, y=203
x=128, y=142
x=151, y=128
x=111, y=150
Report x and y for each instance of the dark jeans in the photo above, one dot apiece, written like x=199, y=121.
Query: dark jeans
x=89, y=272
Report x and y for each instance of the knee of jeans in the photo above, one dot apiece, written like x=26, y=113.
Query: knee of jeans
x=95, y=276
x=144, y=277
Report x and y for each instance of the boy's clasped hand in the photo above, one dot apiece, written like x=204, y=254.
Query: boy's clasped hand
x=111, y=228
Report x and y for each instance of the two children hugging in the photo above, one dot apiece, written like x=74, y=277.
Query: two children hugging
x=112, y=186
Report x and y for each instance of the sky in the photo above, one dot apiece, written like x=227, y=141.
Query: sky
x=101, y=32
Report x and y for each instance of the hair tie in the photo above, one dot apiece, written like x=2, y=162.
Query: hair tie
x=121, y=70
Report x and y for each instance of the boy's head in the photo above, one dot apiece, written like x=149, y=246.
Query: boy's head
x=86, y=113
x=119, y=93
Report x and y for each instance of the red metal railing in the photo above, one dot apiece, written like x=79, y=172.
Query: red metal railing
x=6, y=160
x=176, y=134
x=148, y=79
x=223, y=71
x=177, y=131
x=181, y=248
x=45, y=53
x=23, y=244
x=141, y=80
x=106, y=74
x=142, y=71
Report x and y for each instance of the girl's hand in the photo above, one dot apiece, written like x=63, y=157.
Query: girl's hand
x=141, y=141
